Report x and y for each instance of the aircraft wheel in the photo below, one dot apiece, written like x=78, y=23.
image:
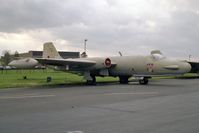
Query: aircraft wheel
x=91, y=82
x=124, y=80
x=144, y=81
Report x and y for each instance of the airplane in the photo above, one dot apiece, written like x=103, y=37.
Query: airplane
x=124, y=67
x=26, y=63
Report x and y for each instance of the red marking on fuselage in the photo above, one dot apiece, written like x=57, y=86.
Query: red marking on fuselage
x=107, y=62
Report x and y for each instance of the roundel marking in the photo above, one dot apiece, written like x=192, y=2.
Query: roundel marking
x=107, y=62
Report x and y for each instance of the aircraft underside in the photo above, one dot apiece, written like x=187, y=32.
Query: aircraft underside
x=122, y=80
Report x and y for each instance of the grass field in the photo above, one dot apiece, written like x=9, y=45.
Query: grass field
x=15, y=78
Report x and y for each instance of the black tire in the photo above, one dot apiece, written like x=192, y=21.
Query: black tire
x=144, y=81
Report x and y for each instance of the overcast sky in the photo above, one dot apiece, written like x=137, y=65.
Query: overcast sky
x=130, y=26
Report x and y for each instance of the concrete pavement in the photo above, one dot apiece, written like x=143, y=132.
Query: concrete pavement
x=163, y=106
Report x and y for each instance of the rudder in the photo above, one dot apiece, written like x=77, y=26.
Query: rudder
x=49, y=51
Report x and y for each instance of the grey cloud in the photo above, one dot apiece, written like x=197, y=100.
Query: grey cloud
x=25, y=14
x=107, y=26
x=181, y=34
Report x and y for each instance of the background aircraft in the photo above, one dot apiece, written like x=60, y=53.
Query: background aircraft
x=26, y=63
x=124, y=67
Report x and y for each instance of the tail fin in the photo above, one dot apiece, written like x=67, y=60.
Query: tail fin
x=49, y=51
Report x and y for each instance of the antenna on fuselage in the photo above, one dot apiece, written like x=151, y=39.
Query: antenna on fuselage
x=120, y=53
x=84, y=55
x=189, y=57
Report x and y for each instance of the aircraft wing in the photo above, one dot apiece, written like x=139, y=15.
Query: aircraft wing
x=64, y=62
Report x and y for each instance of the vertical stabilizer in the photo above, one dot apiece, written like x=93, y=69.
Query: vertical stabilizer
x=49, y=51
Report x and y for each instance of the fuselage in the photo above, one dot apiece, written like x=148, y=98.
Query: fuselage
x=122, y=66
x=140, y=66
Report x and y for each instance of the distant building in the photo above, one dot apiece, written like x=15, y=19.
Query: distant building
x=38, y=54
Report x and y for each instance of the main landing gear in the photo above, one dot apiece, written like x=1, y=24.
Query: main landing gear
x=91, y=82
x=124, y=79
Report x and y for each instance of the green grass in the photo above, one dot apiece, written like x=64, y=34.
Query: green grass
x=189, y=76
x=14, y=78
x=185, y=76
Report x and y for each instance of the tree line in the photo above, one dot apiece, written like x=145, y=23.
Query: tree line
x=8, y=57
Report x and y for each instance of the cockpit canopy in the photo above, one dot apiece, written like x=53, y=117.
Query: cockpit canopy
x=157, y=55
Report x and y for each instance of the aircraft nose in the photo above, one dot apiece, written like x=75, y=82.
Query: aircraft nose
x=12, y=63
x=186, y=67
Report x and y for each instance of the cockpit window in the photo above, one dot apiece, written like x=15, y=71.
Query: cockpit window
x=158, y=56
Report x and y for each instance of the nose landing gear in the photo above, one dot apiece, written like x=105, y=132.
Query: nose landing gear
x=144, y=81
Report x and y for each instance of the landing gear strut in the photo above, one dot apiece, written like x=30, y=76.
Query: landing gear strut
x=124, y=79
x=144, y=81
x=91, y=82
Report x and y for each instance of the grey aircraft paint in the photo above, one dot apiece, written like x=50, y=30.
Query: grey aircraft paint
x=122, y=66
